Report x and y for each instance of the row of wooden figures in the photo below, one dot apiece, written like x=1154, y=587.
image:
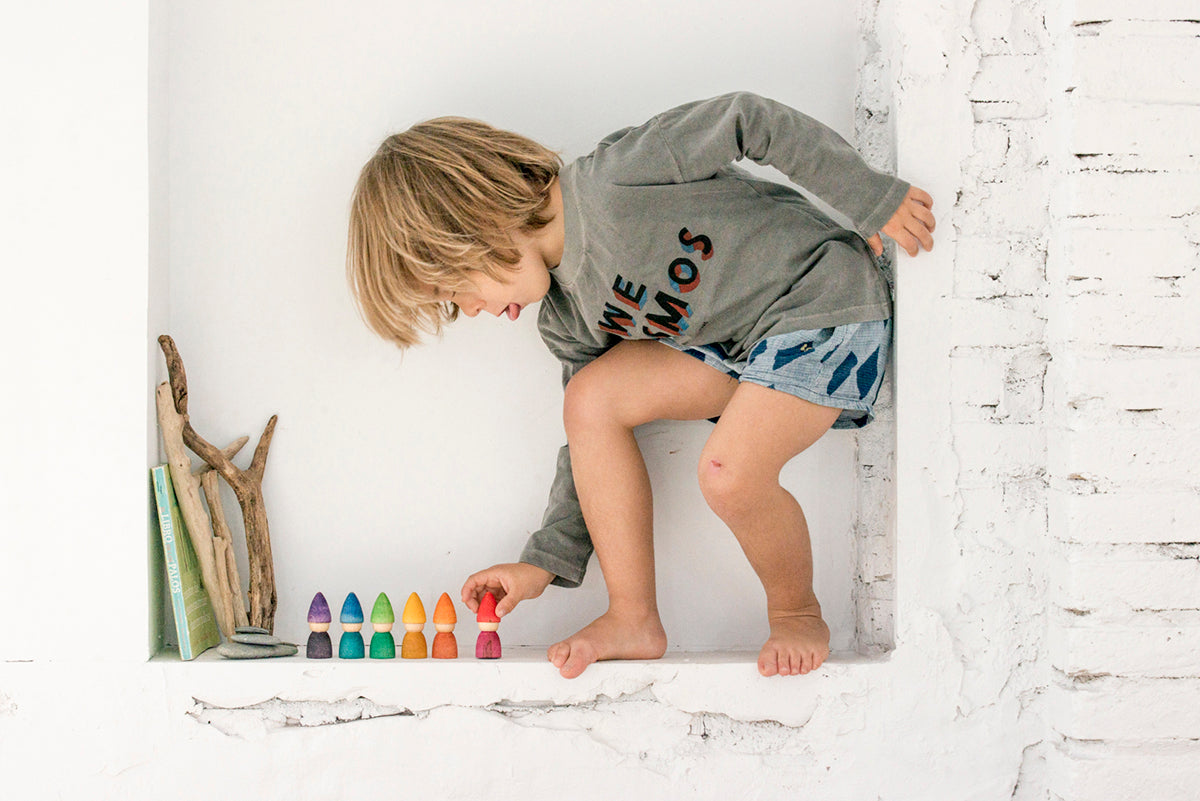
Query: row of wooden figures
x=383, y=645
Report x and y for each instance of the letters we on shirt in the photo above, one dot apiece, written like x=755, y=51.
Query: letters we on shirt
x=671, y=313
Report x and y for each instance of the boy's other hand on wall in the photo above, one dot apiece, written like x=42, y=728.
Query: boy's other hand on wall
x=911, y=227
x=510, y=583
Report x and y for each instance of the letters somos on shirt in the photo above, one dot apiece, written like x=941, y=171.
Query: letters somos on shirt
x=672, y=313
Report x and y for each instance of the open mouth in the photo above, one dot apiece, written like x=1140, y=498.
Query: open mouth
x=513, y=311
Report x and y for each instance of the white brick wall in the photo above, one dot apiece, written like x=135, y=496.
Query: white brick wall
x=875, y=523
x=1124, y=631
x=1073, y=375
x=1042, y=592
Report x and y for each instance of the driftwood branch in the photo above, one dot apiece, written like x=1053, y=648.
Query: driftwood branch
x=233, y=598
x=231, y=450
x=246, y=485
x=223, y=545
x=195, y=518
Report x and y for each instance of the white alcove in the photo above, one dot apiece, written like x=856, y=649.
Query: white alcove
x=406, y=472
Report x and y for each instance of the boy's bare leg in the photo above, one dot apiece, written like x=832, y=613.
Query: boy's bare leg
x=759, y=432
x=634, y=383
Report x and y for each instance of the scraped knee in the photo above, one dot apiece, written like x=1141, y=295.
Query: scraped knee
x=725, y=488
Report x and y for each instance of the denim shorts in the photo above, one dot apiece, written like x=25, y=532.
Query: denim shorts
x=840, y=367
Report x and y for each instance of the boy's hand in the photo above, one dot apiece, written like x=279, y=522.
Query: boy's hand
x=911, y=227
x=511, y=584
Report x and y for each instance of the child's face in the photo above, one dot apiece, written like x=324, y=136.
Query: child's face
x=521, y=287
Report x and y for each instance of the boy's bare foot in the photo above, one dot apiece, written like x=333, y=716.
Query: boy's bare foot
x=610, y=636
x=799, y=643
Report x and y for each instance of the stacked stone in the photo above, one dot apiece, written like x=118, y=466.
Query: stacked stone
x=252, y=642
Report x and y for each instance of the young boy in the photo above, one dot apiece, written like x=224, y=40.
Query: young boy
x=672, y=286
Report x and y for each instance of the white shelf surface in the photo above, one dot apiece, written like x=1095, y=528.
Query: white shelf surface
x=718, y=682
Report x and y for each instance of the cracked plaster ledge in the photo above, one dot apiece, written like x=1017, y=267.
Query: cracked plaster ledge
x=716, y=682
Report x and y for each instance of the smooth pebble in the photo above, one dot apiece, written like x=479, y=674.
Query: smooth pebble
x=237, y=650
x=256, y=639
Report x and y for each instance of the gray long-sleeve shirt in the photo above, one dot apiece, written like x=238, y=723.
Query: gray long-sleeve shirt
x=665, y=238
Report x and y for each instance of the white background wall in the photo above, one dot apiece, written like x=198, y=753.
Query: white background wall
x=409, y=473
x=1046, y=638
x=73, y=245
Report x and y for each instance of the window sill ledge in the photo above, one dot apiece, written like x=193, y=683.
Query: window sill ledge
x=717, y=682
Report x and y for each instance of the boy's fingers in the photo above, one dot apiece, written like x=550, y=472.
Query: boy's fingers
x=922, y=235
x=921, y=196
x=923, y=214
x=506, y=605
x=473, y=589
x=468, y=596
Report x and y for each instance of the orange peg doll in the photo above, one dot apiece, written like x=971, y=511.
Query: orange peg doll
x=445, y=646
x=413, y=646
x=488, y=644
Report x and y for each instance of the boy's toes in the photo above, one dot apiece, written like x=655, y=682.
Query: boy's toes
x=768, y=662
x=580, y=657
x=780, y=661
x=571, y=657
x=558, y=653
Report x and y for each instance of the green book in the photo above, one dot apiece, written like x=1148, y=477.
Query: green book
x=195, y=623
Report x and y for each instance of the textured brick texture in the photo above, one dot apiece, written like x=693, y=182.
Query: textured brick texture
x=875, y=524
x=1123, y=337
x=1028, y=558
x=1074, y=375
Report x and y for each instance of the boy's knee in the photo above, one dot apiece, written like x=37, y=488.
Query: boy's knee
x=601, y=394
x=586, y=401
x=728, y=488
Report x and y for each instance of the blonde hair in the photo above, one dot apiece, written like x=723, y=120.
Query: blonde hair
x=434, y=203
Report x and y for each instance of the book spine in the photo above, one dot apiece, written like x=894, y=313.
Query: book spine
x=162, y=499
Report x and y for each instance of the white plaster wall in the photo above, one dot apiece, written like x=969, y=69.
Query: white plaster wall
x=1125, y=620
x=408, y=474
x=1046, y=633
x=73, y=403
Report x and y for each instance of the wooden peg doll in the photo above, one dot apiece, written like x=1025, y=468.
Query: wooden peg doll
x=487, y=646
x=350, y=646
x=414, y=645
x=319, y=646
x=445, y=646
x=383, y=645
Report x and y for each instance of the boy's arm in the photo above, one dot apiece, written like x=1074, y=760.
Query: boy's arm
x=694, y=141
x=557, y=553
x=562, y=545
